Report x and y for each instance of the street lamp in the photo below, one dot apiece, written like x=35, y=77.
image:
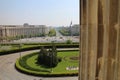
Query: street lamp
x=51, y=64
x=52, y=56
x=20, y=45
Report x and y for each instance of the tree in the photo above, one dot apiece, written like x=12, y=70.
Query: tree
x=52, y=32
x=48, y=58
x=42, y=55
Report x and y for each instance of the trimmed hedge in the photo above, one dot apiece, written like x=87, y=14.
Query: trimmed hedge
x=35, y=43
x=38, y=47
x=34, y=73
x=24, y=64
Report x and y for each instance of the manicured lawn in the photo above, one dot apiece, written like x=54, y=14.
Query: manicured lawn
x=59, y=69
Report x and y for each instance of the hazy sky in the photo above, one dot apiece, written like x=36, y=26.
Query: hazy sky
x=42, y=12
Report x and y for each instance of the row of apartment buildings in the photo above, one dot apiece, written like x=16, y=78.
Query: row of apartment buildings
x=22, y=30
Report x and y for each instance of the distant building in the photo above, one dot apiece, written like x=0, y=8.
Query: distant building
x=75, y=30
x=10, y=31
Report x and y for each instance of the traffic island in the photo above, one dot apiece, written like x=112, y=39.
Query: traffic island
x=68, y=66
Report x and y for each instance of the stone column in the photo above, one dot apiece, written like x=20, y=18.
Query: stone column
x=100, y=40
x=88, y=44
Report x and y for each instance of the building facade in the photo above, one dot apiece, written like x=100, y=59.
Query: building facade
x=100, y=40
x=11, y=31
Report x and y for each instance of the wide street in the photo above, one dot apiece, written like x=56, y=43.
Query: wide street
x=8, y=71
x=57, y=39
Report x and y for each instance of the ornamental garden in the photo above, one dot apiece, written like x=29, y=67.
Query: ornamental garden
x=49, y=62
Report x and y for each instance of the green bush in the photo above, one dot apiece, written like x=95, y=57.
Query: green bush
x=69, y=41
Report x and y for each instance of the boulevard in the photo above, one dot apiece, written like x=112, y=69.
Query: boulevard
x=58, y=39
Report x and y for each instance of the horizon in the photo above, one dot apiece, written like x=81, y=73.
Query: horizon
x=39, y=12
x=35, y=25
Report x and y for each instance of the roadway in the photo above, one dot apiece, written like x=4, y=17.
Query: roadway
x=58, y=33
x=8, y=71
x=46, y=39
x=59, y=38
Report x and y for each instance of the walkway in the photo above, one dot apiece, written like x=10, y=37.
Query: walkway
x=8, y=72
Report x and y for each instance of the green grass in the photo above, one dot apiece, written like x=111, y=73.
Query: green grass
x=59, y=69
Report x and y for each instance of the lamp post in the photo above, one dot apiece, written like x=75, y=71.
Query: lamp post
x=71, y=29
x=20, y=45
x=51, y=64
x=52, y=56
